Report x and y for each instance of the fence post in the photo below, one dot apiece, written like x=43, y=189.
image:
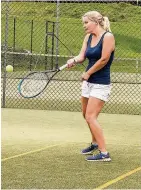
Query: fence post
x=14, y=40
x=31, y=44
x=5, y=51
x=57, y=33
x=52, y=51
x=46, y=45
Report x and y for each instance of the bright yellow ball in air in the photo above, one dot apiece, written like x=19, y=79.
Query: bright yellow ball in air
x=9, y=68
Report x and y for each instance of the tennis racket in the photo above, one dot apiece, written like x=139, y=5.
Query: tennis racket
x=36, y=82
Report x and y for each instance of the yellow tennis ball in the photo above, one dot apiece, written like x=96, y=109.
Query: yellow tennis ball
x=9, y=68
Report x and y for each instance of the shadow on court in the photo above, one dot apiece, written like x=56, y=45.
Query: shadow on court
x=41, y=150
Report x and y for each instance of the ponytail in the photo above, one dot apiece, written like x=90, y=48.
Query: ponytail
x=106, y=24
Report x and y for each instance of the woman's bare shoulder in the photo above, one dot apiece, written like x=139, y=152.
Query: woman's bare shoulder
x=109, y=34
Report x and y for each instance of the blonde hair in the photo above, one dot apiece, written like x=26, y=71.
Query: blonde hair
x=98, y=18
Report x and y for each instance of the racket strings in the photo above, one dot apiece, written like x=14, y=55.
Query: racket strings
x=34, y=84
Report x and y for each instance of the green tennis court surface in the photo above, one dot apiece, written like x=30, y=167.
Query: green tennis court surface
x=41, y=150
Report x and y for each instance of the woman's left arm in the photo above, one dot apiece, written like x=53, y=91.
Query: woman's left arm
x=108, y=47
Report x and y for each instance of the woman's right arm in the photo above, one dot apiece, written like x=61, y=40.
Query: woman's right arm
x=81, y=56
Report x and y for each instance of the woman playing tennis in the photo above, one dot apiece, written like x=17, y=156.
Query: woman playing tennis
x=98, y=47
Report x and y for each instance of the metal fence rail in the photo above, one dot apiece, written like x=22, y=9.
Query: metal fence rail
x=49, y=32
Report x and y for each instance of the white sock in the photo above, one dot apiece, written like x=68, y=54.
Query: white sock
x=94, y=143
x=105, y=153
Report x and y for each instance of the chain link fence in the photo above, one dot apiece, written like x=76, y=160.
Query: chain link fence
x=44, y=34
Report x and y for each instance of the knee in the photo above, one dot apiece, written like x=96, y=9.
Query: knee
x=89, y=118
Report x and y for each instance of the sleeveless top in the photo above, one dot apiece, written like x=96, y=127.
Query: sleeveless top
x=93, y=54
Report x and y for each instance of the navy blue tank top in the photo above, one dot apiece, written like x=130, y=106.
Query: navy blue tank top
x=94, y=54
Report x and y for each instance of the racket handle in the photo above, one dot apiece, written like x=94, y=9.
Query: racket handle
x=63, y=67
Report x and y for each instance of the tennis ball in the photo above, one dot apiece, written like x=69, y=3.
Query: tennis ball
x=9, y=68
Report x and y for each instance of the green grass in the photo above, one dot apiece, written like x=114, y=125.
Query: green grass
x=62, y=166
x=125, y=24
x=116, y=11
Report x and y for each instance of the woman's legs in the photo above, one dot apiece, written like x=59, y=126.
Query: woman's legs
x=94, y=107
x=84, y=103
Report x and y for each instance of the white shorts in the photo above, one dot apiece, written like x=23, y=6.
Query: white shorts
x=99, y=91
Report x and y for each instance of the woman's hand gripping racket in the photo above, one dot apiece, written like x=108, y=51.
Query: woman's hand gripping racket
x=35, y=82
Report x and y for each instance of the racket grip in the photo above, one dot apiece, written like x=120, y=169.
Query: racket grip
x=63, y=67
